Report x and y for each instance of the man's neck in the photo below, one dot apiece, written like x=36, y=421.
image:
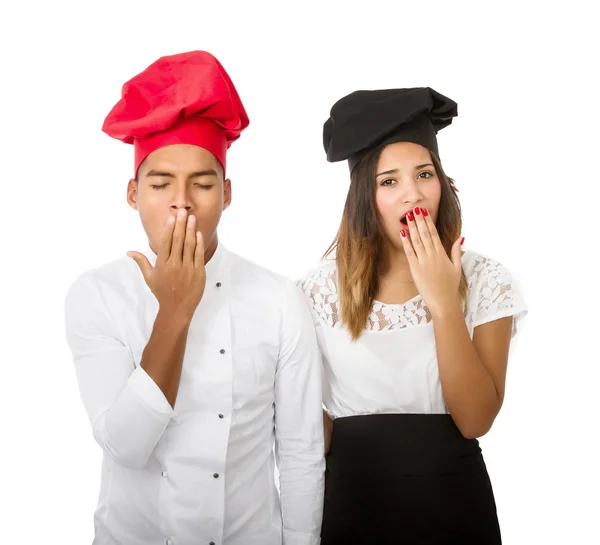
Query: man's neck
x=210, y=248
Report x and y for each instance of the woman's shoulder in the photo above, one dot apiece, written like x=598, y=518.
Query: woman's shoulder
x=493, y=291
x=321, y=275
x=477, y=266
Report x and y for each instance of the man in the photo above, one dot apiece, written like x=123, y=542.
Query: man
x=192, y=362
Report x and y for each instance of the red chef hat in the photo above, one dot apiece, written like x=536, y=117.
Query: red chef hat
x=181, y=99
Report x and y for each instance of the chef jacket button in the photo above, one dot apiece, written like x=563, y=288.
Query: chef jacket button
x=164, y=473
x=222, y=351
x=212, y=543
x=169, y=542
x=221, y=416
x=216, y=475
x=219, y=284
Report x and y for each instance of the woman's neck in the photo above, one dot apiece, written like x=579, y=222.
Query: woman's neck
x=393, y=266
x=396, y=285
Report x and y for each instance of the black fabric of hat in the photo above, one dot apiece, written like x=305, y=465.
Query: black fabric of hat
x=364, y=120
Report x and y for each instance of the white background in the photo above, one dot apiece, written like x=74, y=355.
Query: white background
x=523, y=152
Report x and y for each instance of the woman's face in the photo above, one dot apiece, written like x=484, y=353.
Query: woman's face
x=406, y=178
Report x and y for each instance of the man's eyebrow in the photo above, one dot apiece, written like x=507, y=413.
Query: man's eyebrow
x=198, y=174
x=159, y=174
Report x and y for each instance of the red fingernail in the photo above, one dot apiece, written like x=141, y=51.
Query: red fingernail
x=410, y=216
x=417, y=211
x=462, y=240
x=425, y=213
x=403, y=233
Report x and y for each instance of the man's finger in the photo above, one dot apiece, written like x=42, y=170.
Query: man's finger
x=165, y=244
x=189, y=246
x=179, y=235
x=143, y=264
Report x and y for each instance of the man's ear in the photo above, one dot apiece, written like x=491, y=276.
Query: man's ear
x=132, y=191
x=226, y=193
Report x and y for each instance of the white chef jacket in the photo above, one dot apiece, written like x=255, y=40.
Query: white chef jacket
x=203, y=472
x=393, y=367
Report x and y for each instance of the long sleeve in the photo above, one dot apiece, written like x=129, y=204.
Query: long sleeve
x=127, y=410
x=299, y=425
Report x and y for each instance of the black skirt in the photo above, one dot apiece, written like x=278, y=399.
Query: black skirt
x=406, y=479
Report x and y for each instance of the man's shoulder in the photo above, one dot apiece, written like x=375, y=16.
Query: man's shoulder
x=244, y=269
x=270, y=292
x=118, y=275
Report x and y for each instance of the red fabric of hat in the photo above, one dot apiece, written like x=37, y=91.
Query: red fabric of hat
x=180, y=99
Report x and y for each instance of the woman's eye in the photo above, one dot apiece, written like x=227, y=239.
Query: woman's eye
x=387, y=182
x=425, y=175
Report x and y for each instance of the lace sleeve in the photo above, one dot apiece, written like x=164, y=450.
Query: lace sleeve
x=493, y=294
x=320, y=290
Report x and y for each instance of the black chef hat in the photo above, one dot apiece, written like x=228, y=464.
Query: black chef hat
x=364, y=120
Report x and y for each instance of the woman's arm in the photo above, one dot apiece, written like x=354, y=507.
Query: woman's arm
x=472, y=373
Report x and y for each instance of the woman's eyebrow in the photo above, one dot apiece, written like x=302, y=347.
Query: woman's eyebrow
x=394, y=170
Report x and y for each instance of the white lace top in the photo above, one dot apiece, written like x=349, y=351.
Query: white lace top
x=392, y=367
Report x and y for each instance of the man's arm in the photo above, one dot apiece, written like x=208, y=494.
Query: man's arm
x=130, y=408
x=127, y=409
x=299, y=424
x=177, y=281
x=163, y=356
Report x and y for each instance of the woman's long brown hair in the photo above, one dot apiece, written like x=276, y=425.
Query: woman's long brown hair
x=360, y=238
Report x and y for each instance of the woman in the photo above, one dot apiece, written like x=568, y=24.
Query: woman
x=414, y=332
